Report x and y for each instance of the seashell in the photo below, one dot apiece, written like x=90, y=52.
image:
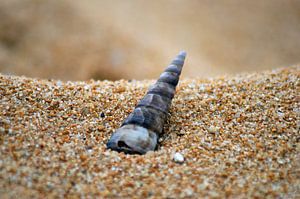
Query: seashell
x=140, y=131
x=178, y=158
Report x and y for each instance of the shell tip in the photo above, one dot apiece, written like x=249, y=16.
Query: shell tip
x=182, y=53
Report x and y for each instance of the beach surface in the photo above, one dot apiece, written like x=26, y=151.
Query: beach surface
x=239, y=136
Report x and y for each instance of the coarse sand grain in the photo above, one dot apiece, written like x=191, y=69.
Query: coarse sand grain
x=239, y=137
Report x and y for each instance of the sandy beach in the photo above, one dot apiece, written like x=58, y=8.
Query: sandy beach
x=239, y=136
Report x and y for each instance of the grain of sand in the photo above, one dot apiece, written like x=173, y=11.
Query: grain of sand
x=239, y=137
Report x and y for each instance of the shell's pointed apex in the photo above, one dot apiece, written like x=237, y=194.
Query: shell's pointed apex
x=182, y=53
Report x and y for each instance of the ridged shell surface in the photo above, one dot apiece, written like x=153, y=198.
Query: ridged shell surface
x=150, y=113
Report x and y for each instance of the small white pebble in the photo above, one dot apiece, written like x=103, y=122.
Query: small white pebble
x=212, y=129
x=178, y=157
x=59, y=83
x=280, y=114
x=189, y=192
x=280, y=161
x=87, y=87
x=2, y=130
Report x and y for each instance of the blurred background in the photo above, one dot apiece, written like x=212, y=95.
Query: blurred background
x=80, y=40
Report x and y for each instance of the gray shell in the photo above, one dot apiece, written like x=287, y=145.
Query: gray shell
x=150, y=113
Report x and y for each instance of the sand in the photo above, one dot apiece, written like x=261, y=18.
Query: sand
x=239, y=137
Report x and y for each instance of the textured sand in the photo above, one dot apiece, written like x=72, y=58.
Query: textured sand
x=239, y=137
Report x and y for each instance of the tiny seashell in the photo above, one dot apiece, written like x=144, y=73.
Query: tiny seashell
x=178, y=158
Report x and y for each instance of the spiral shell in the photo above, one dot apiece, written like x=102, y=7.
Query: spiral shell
x=140, y=131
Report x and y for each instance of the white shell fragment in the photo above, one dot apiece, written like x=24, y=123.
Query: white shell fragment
x=178, y=158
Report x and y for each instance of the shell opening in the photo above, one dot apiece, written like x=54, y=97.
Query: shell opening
x=133, y=139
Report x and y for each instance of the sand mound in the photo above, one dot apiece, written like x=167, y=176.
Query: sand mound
x=239, y=137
